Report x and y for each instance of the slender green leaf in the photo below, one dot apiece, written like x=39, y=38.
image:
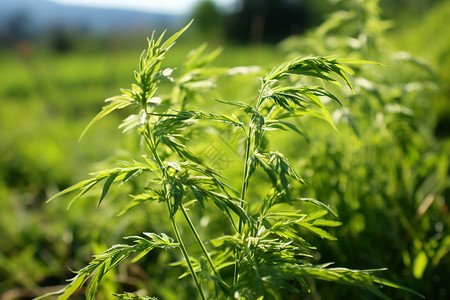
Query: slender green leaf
x=80, y=185
x=117, y=102
x=318, y=204
x=106, y=187
x=110, y=258
x=170, y=41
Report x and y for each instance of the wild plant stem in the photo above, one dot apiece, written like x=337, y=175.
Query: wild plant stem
x=186, y=256
x=151, y=144
x=260, y=96
x=245, y=174
x=249, y=135
x=199, y=241
x=243, y=192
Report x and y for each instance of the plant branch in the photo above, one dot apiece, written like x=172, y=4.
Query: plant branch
x=151, y=144
x=200, y=242
x=186, y=256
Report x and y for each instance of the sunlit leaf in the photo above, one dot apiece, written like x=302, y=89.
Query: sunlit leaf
x=170, y=41
x=117, y=102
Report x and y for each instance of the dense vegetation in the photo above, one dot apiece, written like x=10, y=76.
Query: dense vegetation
x=385, y=173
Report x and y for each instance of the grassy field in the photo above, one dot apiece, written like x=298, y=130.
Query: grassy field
x=385, y=173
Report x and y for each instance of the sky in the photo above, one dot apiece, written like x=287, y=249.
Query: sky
x=177, y=7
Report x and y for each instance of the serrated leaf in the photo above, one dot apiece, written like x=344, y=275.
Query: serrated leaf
x=109, y=259
x=359, y=278
x=111, y=175
x=319, y=67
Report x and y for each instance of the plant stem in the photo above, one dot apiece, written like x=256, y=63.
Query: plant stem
x=245, y=174
x=199, y=241
x=186, y=256
x=243, y=192
x=260, y=96
x=151, y=144
x=250, y=133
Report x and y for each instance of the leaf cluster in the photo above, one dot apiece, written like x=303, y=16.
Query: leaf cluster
x=109, y=259
x=268, y=250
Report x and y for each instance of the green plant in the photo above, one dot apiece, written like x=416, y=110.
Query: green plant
x=393, y=180
x=262, y=251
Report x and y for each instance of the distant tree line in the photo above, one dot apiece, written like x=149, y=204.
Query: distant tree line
x=258, y=21
x=269, y=21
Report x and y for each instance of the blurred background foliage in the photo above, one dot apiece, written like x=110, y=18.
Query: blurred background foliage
x=386, y=173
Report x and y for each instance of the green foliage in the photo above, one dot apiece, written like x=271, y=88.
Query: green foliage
x=129, y=296
x=266, y=251
x=109, y=259
x=393, y=178
x=385, y=172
